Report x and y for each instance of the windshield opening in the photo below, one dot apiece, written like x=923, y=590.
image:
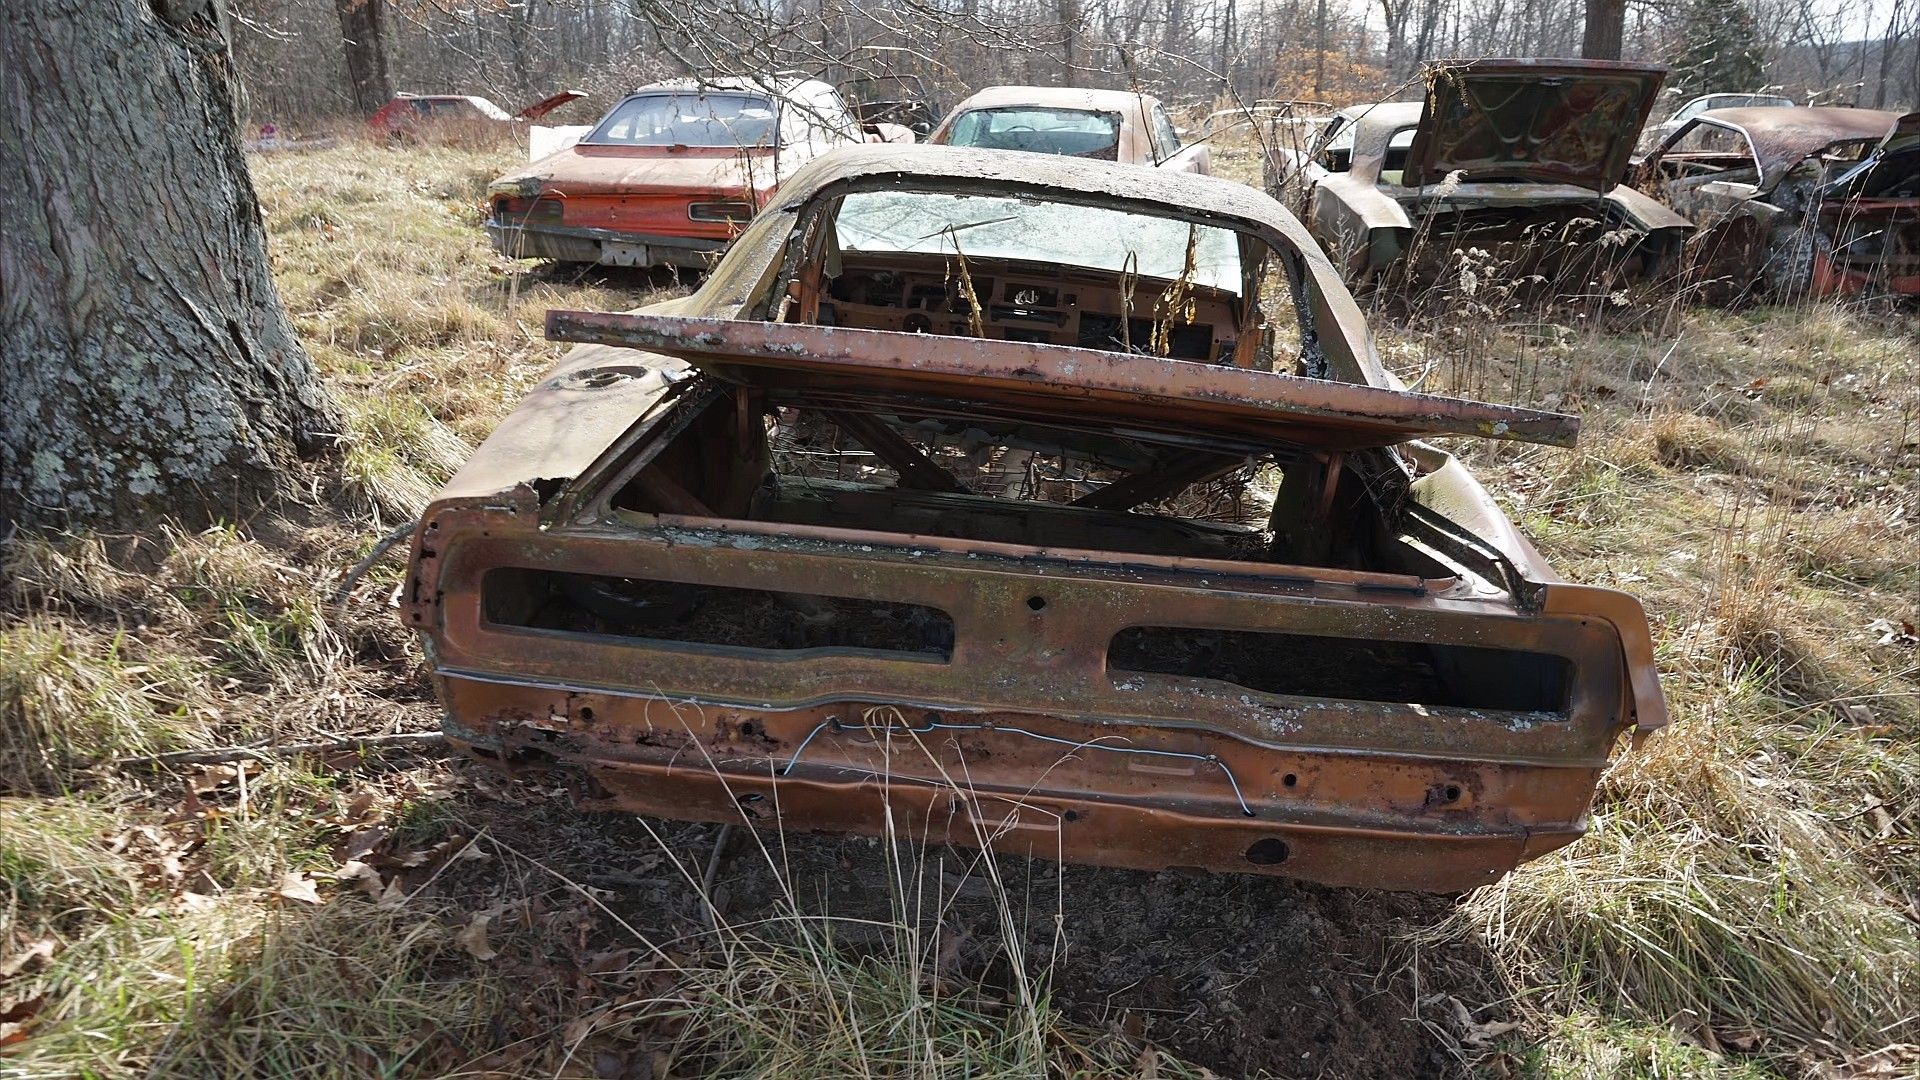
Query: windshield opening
x=689, y=119
x=1070, y=132
x=1039, y=231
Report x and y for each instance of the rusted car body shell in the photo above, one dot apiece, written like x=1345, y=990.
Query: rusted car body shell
x=1142, y=140
x=628, y=205
x=1022, y=738
x=1367, y=209
x=1757, y=231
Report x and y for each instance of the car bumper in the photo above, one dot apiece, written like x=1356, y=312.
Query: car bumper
x=605, y=247
x=1024, y=740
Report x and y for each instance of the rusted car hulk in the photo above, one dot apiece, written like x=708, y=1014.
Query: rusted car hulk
x=1516, y=163
x=1793, y=200
x=760, y=553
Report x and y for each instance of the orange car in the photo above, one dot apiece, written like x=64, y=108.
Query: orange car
x=670, y=174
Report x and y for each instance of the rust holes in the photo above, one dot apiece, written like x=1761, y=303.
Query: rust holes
x=1289, y=780
x=1268, y=851
x=586, y=712
x=1037, y=603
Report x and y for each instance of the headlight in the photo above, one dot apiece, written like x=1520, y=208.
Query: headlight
x=731, y=210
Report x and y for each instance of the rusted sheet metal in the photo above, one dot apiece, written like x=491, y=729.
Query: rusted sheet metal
x=1546, y=121
x=1075, y=760
x=1783, y=137
x=1058, y=381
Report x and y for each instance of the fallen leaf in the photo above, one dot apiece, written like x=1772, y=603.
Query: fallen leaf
x=1482, y=1034
x=361, y=876
x=473, y=937
x=295, y=885
x=36, y=952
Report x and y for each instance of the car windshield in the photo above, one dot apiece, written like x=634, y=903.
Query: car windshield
x=1073, y=132
x=1036, y=230
x=689, y=118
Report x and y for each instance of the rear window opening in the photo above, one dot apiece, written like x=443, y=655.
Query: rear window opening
x=678, y=613
x=1040, y=130
x=933, y=468
x=1352, y=669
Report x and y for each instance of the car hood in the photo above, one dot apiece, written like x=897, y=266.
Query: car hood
x=1566, y=121
x=583, y=170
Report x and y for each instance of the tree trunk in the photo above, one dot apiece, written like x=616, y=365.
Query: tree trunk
x=1606, y=27
x=146, y=365
x=1068, y=12
x=363, y=39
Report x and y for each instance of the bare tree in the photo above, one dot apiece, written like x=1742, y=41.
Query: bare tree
x=146, y=365
x=1606, y=29
x=363, y=41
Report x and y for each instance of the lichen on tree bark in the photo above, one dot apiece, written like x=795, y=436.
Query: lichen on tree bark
x=147, y=367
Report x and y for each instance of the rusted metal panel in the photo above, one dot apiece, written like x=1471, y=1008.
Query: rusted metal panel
x=1109, y=767
x=1545, y=121
x=1059, y=381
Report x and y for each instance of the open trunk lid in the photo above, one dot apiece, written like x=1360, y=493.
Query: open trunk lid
x=1559, y=121
x=547, y=104
x=1058, y=384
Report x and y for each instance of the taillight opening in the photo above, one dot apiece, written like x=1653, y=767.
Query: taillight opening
x=1350, y=669
x=731, y=211
x=528, y=211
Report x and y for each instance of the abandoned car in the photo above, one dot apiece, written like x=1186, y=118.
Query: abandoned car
x=1796, y=200
x=670, y=175
x=1106, y=125
x=1520, y=160
x=413, y=114
x=1054, y=506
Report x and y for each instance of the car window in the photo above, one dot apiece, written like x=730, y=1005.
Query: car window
x=1336, y=150
x=1166, y=137
x=1712, y=140
x=1038, y=231
x=1072, y=132
x=689, y=118
x=1393, y=166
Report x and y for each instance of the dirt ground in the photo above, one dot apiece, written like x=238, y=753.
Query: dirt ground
x=1250, y=976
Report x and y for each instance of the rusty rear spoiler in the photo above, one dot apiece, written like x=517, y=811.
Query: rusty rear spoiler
x=1057, y=384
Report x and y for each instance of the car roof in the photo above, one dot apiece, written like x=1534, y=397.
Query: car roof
x=1385, y=114
x=1206, y=195
x=1058, y=97
x=782, y=85
x=1783, y=135
x=1806, y=121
